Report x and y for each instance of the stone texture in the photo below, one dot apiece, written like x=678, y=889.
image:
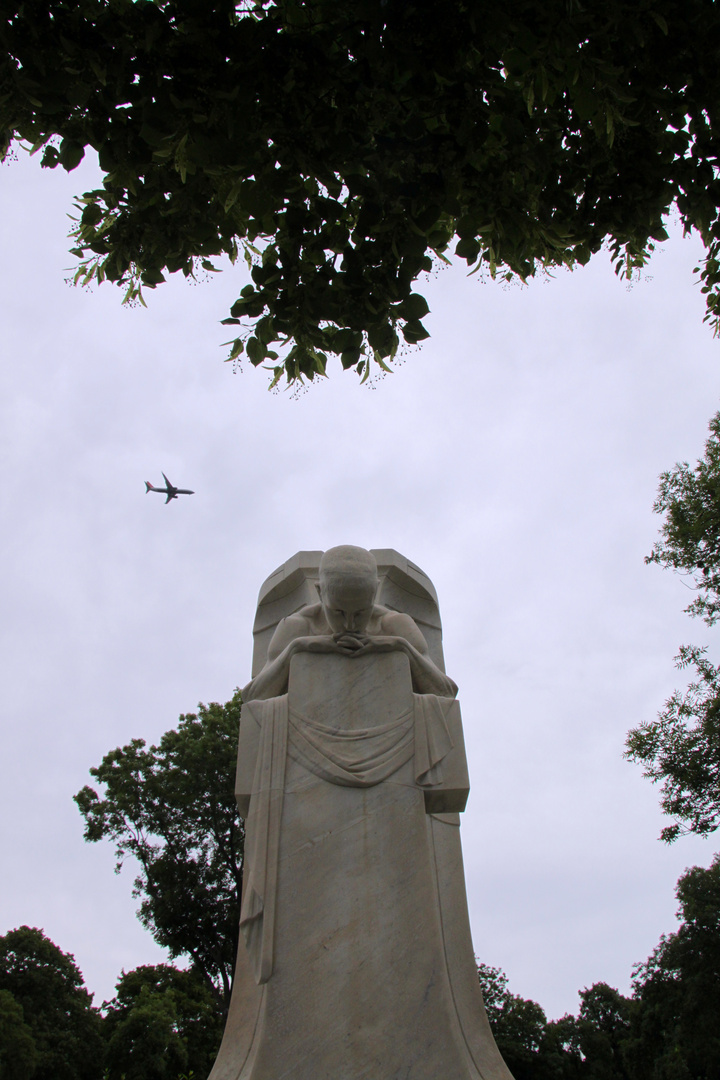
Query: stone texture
x=356, y=961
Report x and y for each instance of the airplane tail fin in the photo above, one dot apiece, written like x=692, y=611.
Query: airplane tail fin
x=148, y=487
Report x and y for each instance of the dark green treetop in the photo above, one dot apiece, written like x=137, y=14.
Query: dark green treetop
x=344, y=148
x=593, y=1044
x=162, y=1021
x=589, y=1046
x=147, y=1044
x=603, y=1027
x=18, y=1056
x=56, y=1009
x=518, y=1024
x=172, y=808
x=678, y=989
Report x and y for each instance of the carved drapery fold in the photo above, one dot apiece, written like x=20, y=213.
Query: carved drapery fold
x=359, y=758
x=433, y=741
x=262, y=837
x=355, y=758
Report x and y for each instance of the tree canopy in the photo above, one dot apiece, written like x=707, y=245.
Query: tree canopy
x=667, y=1030
x=601, y=1032
x=590, y=1046
x=678, y=988
x=172, y=807
x=162, y=1021
x=681, y=749
x=18, y=1056
x=517, y=1024
x=344, y=148
x=47, y=1023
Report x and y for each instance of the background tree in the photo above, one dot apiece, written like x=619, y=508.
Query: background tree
x=56, y=1009
x=681, y=749
x=517, y=1024
x=590, y=1046
x=343, y=148
x=561, y=1049
x=676, y=1030
x=18, y=1056
x=172, y=807
x=603, y=1027
x=146, y=1044
x=162, y=1021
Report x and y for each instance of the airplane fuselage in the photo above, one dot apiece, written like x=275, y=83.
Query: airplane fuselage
x=169, y=490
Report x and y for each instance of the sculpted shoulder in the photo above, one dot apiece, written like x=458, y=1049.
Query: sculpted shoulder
x=398, y=624
x=312, y=618
x=299, y=624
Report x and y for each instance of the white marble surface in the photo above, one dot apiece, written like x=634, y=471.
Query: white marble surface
x=366, y=970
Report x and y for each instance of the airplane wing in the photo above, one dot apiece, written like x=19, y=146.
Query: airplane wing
x=166, y=481
x=170, y=495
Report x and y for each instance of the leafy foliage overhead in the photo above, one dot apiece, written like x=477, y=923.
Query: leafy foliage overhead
x=172, y=807
x=681, y=749
x=343, y=147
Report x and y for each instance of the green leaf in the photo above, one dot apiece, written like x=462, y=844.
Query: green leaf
x=345, y=340
x=70, y=154
x=50, y=158
x=468, y=248
x=413, y=332
x=413, y=307
x=659, y=19
x=255, y=351
x=92, y=214
x=381, y=363
x=152, y=277
x=349, y=358
x=277, y=375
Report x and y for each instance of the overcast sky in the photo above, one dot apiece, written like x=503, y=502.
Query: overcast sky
x=514, y=457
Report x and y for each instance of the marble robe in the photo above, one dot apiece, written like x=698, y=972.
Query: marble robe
x=355, y=960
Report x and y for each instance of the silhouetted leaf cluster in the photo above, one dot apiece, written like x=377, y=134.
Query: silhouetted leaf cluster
x=343, y=148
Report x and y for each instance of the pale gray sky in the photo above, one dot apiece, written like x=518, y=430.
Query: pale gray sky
x=514, y=458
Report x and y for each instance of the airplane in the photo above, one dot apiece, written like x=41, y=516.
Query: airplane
x=169, y=490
